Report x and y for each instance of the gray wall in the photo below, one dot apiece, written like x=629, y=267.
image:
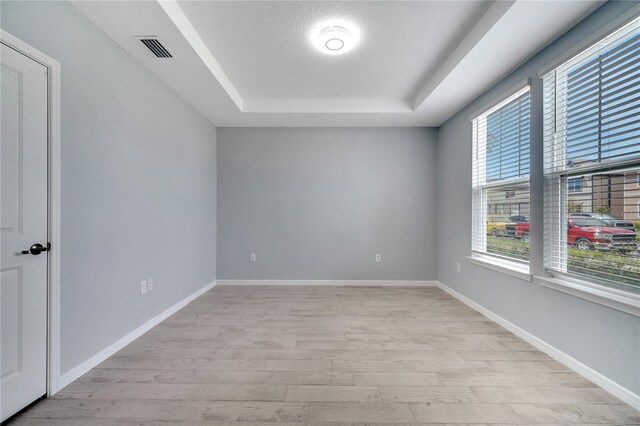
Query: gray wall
x=602, y=338
x=319, y=204
x=138, y=183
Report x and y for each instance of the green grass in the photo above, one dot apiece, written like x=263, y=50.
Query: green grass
x=508, y=247
x=608, y=267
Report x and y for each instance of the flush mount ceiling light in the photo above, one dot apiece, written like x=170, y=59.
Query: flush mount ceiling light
x=335, y=37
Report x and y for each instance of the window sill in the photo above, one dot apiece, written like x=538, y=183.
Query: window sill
x=517, y=270
x=617, y=299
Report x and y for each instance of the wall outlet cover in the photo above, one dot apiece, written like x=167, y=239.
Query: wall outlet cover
x=143, y=287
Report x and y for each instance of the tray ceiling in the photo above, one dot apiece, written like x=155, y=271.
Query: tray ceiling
x=245, y=63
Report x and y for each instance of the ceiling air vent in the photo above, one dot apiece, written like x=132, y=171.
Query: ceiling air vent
x=156, y=47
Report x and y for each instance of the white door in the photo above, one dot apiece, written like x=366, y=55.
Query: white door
x=23, y=220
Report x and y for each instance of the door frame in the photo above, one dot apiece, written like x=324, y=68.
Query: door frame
x=53, y=201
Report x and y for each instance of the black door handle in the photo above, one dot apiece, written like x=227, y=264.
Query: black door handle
x=36, y=249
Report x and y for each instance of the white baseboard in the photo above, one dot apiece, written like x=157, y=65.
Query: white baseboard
x=605, y=383
x=345, y=283
x=87, y=365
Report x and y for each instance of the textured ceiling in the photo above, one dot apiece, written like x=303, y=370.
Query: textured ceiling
x=244, y=63
x=265, y=49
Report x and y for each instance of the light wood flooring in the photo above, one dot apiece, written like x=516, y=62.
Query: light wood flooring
x=328, y=355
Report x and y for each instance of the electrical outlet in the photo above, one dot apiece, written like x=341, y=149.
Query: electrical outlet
x=143, y=287
x=458, y=267
x=150, y=284
x=253, y=257
x=378, y=258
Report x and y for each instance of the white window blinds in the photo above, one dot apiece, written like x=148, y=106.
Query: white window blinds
x=500, y=179
x=592, y=160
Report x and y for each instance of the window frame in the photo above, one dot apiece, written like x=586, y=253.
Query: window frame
x=511, y=266
x=626, y=299
x=575, y=188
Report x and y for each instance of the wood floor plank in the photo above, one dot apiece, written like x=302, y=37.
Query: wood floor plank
x=452, y=394
x=238, y=354
x=503, y=355
x=543, y=395
x=515, y=379
x=465, y=413
x=65, y=408
x=257, y=412
x=262, y=393
x=23, y=421
x=114, y=375
x=386, y=355
x=396, y=379
x=577, y=413
x=349, y=412
x=320, y=355
x=252, y=365
x=133, y=391
x=411, y=366
x=333, y=393
x=153, y=410
x=527, y=366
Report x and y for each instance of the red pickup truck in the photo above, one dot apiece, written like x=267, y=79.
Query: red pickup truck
x=585, y=233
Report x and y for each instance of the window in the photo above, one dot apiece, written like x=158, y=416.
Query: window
x=575, y=184
x=592, y=136
x=501, y=179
